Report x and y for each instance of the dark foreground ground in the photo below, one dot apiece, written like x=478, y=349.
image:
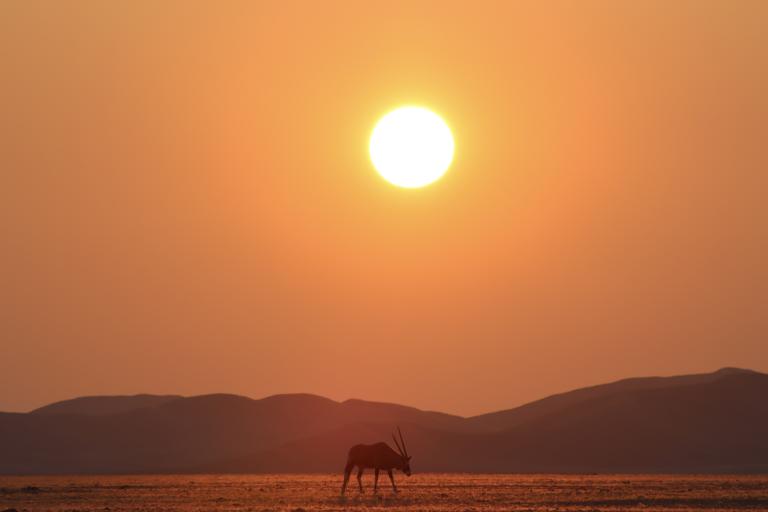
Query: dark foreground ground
x=433, y=492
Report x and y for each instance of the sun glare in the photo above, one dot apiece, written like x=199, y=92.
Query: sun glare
x=411, y=147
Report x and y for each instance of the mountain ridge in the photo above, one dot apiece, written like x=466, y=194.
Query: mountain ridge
x=77, y=404
x=701, y=423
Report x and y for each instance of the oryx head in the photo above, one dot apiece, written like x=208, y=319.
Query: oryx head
x=406, y=464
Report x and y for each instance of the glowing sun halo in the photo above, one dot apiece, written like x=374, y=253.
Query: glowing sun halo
x=411, y=147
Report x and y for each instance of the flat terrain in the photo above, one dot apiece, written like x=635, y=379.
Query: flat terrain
x=434, y=492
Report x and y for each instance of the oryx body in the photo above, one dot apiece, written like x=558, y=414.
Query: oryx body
x=378, y=457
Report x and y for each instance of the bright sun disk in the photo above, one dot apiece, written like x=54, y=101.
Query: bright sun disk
x=411, y=147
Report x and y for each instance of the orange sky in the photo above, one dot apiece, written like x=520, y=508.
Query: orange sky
x=187, y=205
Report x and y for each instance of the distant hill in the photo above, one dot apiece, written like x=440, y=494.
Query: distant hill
x=696, y=423
x=101, y=405
x=511, y=417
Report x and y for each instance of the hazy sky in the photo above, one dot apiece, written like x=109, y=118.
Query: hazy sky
x=187, y=204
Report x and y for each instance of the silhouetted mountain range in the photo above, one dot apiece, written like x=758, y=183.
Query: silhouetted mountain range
x=101, y=405
x=713, y=422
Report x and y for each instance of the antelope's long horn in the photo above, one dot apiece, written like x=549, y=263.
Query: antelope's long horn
x=397, y=444
x=405, y=451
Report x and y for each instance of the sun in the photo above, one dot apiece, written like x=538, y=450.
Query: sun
x=411, y=147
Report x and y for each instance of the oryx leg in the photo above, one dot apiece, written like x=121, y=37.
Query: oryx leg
x=347, y=471
x=375, y=480
x=360, y=479
x=392, y=479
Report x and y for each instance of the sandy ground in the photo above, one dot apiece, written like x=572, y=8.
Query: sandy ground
x=428, y=492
